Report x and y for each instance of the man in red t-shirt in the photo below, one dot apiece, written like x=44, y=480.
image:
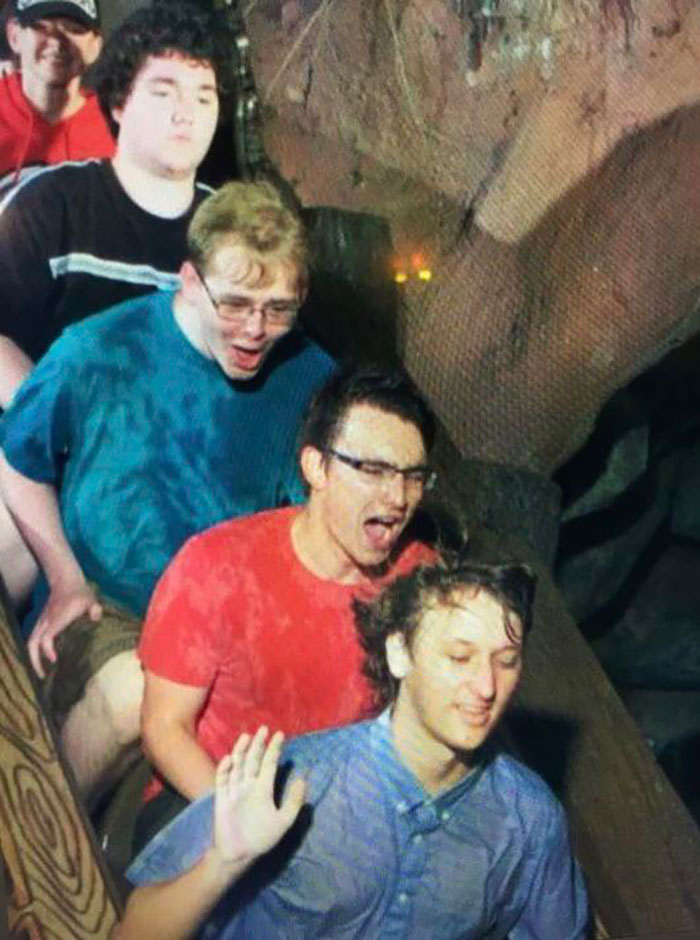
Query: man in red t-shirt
x=45, y=116
x=251, y=623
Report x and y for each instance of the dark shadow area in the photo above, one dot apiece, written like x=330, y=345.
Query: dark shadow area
x=543, y=741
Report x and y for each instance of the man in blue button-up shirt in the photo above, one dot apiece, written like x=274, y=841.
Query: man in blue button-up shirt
x=414, y=827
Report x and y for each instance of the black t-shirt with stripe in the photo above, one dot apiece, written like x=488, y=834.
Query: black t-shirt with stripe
x=72, y=243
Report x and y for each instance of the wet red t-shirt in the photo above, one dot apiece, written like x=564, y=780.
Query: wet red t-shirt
x=236, y=611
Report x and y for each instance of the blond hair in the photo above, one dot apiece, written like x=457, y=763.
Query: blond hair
x=254, y=217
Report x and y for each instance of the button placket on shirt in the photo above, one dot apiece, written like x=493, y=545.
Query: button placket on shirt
x=413, y=825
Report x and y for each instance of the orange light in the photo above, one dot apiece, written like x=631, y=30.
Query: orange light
x=417, y=262
x=401, y=277
x=425, y=274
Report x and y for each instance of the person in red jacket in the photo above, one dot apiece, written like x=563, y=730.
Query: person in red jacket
x=45, y=115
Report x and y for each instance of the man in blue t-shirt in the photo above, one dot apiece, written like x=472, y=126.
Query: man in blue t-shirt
x=143, y=426
x=416, y=825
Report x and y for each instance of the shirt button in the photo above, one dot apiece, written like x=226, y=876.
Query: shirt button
x=401, y=807
x=445, y=816
x=403, y=898
x=418, y=838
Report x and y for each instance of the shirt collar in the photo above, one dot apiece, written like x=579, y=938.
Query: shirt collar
x=406, y=791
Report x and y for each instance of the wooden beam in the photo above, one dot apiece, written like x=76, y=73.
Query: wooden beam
x=639, y=846
x=56, y=882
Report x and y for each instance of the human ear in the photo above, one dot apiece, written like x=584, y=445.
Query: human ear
x=313, y=467
x=94, y=49
x=12, y=31
x=398, y=656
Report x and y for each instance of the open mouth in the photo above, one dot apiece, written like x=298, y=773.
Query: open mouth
x=247, y=359
x=382, y=531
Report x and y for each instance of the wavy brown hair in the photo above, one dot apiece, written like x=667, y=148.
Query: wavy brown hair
x=400, y=608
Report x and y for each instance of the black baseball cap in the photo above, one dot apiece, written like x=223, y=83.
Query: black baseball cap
x=82, y=11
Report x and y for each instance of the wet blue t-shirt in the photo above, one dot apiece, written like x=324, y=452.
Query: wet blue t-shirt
x=148, y=442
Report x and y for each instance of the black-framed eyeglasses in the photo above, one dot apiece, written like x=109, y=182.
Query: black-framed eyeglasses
x=380, y=473
x=238, y=309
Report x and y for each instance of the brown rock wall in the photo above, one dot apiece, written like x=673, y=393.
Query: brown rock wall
x=552, y=191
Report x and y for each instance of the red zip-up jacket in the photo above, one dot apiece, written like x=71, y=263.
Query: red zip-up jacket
x=27, y=140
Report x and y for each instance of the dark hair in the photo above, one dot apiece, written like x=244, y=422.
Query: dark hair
x=389, y=391
x=400, y=608
x=176, y=27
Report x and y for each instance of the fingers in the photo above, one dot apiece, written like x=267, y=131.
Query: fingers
x=256, y=753
x=293, y=801
x=271, y=757
x=251, y=758
x=35, y=654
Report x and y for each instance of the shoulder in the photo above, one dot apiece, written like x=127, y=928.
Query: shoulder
x=315, y=354
x=237, y=536
x=132, y=319
x=52, y=185
x=322, y=755
x=415, y=553
x=201, y=191
x=524, y=796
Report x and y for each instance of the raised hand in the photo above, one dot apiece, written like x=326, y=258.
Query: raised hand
x=247, y=822
x=63, y=606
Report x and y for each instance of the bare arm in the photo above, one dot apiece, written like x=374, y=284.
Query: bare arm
x=247, y=823
x=168, y=719
x=34, y=507
x=14, y=368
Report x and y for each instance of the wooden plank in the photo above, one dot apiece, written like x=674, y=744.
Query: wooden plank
x=57, y=885
x=639, y=846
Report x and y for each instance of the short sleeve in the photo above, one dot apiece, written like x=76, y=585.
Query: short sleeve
x=181, y=640
x=556, y=904
x=30, y=223
x=37, y=430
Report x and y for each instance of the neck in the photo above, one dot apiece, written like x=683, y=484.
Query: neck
x=436, y=766
x=159, y=195
x=53, y=102
x=316, y=550
x=189, y=324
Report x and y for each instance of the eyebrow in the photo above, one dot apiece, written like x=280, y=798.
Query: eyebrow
x=467, y=644
x=166, y=80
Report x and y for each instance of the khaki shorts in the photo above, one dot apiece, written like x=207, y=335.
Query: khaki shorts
x=83, y=648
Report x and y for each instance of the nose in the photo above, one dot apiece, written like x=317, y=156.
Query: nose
x=56, y=34
x=184, y=109
x=254, y=323
x=483, y=681
x=395, y=490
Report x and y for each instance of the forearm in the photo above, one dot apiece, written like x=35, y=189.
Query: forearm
x=175, y=752
x=174, y=909
x=34, y=507
x=14, y=368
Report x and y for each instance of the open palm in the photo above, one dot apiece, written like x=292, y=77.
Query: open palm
x=247, y=822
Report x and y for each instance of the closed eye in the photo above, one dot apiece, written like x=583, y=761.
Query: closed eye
x=510, y=662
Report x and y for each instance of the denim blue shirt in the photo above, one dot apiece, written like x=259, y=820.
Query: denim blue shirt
x=489, y=858
x=148, y=442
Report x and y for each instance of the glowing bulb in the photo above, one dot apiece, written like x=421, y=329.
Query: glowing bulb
x=425, y=274
x=401, y=277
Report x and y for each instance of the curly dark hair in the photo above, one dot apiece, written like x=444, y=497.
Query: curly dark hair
x=389, y=391
x=400, y=608
x=166, y=27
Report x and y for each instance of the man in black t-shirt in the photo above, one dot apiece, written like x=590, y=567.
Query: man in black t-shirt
x=78, y=238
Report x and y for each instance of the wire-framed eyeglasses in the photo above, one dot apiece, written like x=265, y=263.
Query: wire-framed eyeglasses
x=237, y=309
x=380, y=473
